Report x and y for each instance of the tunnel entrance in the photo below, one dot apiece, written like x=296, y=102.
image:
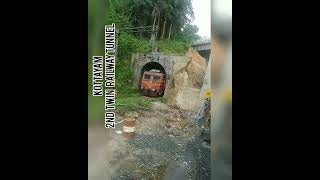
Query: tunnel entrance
x=152, y=80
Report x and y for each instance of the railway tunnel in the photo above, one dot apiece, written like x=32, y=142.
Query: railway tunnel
x=165, y=63
x=158, y=77
x=168, y=63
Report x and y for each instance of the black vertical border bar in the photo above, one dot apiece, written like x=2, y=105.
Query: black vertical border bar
x=48, y=54
x=74, y=105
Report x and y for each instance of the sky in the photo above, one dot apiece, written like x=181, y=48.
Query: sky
x=223, y=7
x=202, y=13
x=202, y=17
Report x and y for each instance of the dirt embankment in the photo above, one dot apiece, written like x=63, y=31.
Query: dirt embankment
x=185, y=90
x=164, y=138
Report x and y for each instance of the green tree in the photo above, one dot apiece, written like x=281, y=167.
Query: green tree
x=189, y=33
x=169, y=15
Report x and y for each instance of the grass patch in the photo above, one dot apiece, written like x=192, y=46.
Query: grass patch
x=124, y=103
x=163, y=99
x=95, y=108
x=134, y=102
x=173, y=46
x=131, y=103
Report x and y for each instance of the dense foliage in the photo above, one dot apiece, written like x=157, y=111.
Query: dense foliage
x=173, y=17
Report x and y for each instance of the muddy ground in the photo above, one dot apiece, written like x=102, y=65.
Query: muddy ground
x=166, y=146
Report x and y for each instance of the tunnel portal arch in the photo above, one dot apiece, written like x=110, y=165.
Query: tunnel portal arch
x=149, y=66
x=168, y=63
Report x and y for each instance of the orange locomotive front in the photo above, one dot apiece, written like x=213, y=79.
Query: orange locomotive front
x=153, y=83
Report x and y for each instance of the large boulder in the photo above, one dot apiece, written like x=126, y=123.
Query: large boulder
x=187, y=98
x=196, y=69
x=187, y=81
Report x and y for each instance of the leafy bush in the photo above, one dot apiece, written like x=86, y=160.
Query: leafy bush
x=128, y=44
x=124, y=79
x=173, y=46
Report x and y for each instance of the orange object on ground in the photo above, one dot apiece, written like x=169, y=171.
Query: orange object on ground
x=129, y=128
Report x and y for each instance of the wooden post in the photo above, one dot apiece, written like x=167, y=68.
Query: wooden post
x=129, y=128
x=164, y=28
x=170, y=30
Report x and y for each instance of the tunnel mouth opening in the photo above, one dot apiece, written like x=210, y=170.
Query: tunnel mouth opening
x=152, y=81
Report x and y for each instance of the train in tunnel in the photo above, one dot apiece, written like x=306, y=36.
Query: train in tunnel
x=153, y=83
